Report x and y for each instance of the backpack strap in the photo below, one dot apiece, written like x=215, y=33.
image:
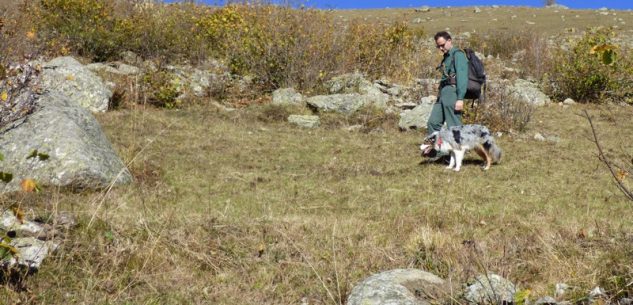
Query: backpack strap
x=465, y=54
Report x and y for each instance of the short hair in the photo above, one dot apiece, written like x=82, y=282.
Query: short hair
x=443, y=34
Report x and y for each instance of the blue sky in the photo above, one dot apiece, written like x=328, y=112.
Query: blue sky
x=347, y=4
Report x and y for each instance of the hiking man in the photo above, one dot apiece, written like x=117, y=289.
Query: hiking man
x=453, y=85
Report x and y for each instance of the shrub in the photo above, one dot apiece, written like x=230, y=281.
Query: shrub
x=591, y=70
x=162, y=88
x=500, y=111
x=86, y=27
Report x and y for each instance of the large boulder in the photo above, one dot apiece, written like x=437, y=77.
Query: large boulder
x=59, y=144
x=287, y=96
x=528, y=92
x=398, y=287
x=356, y=83
x=342, y=103
x=70, y=77
x=417, y=117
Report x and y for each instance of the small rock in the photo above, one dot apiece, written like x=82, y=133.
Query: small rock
x=490, y=289
x=553, y=139
x=597, y=292
x=31, y=253
x=569, y=101
x=625, y=301
x=547, y=300
x=399, y=286
x=539, y=137
x=9, y=222
x=354, y=127
x=477, y=10
x=560, y=289
x=307, y=121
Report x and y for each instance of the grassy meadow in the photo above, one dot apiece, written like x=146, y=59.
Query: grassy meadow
x=228, y=209
x=240, y=207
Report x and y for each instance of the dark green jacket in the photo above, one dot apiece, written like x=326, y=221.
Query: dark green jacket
x=460, y=69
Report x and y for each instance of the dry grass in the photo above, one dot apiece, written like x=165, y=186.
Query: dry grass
x=464, y=19
x=228, y=209
x=241, y=208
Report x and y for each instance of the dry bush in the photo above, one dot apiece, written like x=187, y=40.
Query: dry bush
x=500, y=111
x=276, y=45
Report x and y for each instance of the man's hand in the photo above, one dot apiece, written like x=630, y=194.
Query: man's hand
x=459, y=105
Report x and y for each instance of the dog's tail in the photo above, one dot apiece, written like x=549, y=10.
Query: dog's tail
x=490, y=145
x=495, y=152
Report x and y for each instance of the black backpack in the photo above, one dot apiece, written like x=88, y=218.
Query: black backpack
x=476, y=75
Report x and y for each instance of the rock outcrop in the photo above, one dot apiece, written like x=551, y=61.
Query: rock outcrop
x=59, y=144
x=78, y=83
x=399, y=286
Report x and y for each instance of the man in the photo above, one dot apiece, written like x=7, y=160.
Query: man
x=450, y=103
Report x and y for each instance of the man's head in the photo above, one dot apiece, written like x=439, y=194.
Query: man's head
x=443, y=41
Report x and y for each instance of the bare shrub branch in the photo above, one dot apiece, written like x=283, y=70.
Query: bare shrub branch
x=607, y=162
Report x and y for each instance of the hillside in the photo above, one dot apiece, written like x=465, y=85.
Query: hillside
x=231, y=204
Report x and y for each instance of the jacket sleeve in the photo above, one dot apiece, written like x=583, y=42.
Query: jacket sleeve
x=461, y=65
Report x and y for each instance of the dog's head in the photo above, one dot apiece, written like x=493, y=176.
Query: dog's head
x=428, y=144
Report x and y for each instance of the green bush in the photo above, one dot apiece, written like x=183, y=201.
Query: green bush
x=591, y=71
x=162, y=88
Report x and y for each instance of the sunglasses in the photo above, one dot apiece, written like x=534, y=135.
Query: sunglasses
x=441, y=45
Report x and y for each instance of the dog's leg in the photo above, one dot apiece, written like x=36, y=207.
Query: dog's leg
x=483, y=153
x=452, y=163
x=459, y=157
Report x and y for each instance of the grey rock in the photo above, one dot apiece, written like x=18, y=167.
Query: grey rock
x=477, y=10
x=560, y=289
x=415, y=118
x=114, y=68
x=553, y=139
x=490, y=289
x=31, y=253
x=9, y=222
x=397, y=287
x=569, y=101
x=287, y=96
x=70, y=77
x=539, y=137
x=348, y=83
x=546, y=300
x=528, y=92
x=597, y=292
x=131, y=58
x=355, y=83
x=342, y=103
x=79, y=154
x=625, y=301
x=306, y=121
